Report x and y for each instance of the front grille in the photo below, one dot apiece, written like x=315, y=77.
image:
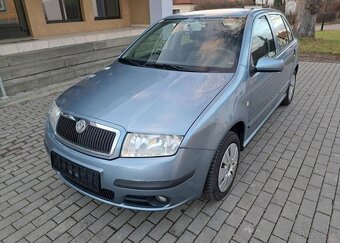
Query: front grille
x=92, y=138
x=84, y=178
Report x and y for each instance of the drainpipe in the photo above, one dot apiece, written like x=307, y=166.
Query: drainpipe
x=159, y=9
x=2, y=88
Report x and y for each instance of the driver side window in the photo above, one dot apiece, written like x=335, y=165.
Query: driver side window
x=262, y=40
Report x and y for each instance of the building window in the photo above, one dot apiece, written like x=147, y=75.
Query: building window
x=58, y=11
x=176, y=11
x=106, y=9
x=2, y=6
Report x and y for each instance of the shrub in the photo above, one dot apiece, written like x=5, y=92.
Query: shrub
x=329, y=17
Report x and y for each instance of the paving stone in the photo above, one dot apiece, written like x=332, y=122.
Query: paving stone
x=168, y=238
x=264, y=230
x=121, y=219
x=254, y=214
x=187, y=237
x=236, y=217
x=138, y=218
x=139, y=233
x=263, y=199
x=283, y=228
x=317, y=237
x=225, y=234
x=321, y=222
x=160, y=229
x=179, y=227
x=308, y=208
x=101, y=222
x=120, y=235
x=218, y=219
x=198, y=223
x=287, y=187
x=272, y=212
x=302, y=225
x=246, y=201
x=102, y=235
x=297, y=238
x=61, y=228
x=41, y=231
x=244, y=232
x=229, y=203
x=290, y=210
x=325, y=206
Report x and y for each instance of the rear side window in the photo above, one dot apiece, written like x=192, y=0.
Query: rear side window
x=290, y=35
x=262, y=40
x=283, y=35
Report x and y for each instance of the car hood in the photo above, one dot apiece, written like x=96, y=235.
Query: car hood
x=142, y=99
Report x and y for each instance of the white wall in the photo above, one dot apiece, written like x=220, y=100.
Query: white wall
x=290, y=5
x=159, y=9
x=184, y=7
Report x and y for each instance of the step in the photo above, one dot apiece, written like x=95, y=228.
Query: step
x=45, y=54
x=55, y=76
x=27, y=69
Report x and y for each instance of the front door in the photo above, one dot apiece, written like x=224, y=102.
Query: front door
x=263, y=85
x=13, y=23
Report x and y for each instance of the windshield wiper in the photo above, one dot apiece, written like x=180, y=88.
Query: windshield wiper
x=130, y=61
x=169, y=67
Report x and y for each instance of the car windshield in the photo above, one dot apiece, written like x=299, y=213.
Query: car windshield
x=196, y=45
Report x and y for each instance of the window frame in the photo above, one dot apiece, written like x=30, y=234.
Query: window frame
x=107, y=18
x=250, y=58
x=285, y=21
x=4, y=9
x=279, y=49
x=63, y=15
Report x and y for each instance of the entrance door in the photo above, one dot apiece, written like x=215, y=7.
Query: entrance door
x=13, y=22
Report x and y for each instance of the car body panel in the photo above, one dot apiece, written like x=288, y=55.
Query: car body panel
x=146, y=100
x=201, y=106
x=138, y=169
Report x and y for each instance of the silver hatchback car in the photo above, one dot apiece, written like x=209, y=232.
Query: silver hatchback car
x=165, y=122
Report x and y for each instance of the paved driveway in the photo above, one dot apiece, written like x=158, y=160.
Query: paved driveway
x=328, y=27
x=288, y=182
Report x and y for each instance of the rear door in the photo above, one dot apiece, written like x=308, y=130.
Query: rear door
x=287, y=48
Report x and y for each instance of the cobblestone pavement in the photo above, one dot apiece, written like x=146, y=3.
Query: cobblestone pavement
x=287, y=188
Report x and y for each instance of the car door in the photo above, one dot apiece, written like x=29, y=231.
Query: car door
x=286, y=48
x=262, y=84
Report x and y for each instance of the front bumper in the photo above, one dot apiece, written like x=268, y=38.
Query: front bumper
x=179, y=178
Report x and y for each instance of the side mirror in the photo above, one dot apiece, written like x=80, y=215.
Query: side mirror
x=266, y=64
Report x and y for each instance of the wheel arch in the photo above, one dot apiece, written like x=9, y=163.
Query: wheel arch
x=296, y=68
x=239, y=129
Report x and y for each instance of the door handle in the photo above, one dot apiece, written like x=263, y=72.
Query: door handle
x=294, y=51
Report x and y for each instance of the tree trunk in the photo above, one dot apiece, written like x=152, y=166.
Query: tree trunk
x=307, y=11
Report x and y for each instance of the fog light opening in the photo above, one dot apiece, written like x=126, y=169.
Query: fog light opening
x=161, y=199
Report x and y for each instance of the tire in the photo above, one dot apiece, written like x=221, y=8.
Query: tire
x=290, y=91
x=214, y=188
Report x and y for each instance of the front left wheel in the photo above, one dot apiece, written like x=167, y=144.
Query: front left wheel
x=223, y=168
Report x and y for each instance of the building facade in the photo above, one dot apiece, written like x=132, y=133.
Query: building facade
x=44, y=18
x=182, y=6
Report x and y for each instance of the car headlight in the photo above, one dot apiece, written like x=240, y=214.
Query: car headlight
x=148, y=145
x=53, y=115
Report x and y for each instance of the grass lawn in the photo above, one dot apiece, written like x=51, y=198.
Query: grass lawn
x=325, y=42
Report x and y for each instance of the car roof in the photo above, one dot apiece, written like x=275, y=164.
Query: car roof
x=220, y=13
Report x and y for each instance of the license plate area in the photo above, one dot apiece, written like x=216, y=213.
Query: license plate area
x=77, y=174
